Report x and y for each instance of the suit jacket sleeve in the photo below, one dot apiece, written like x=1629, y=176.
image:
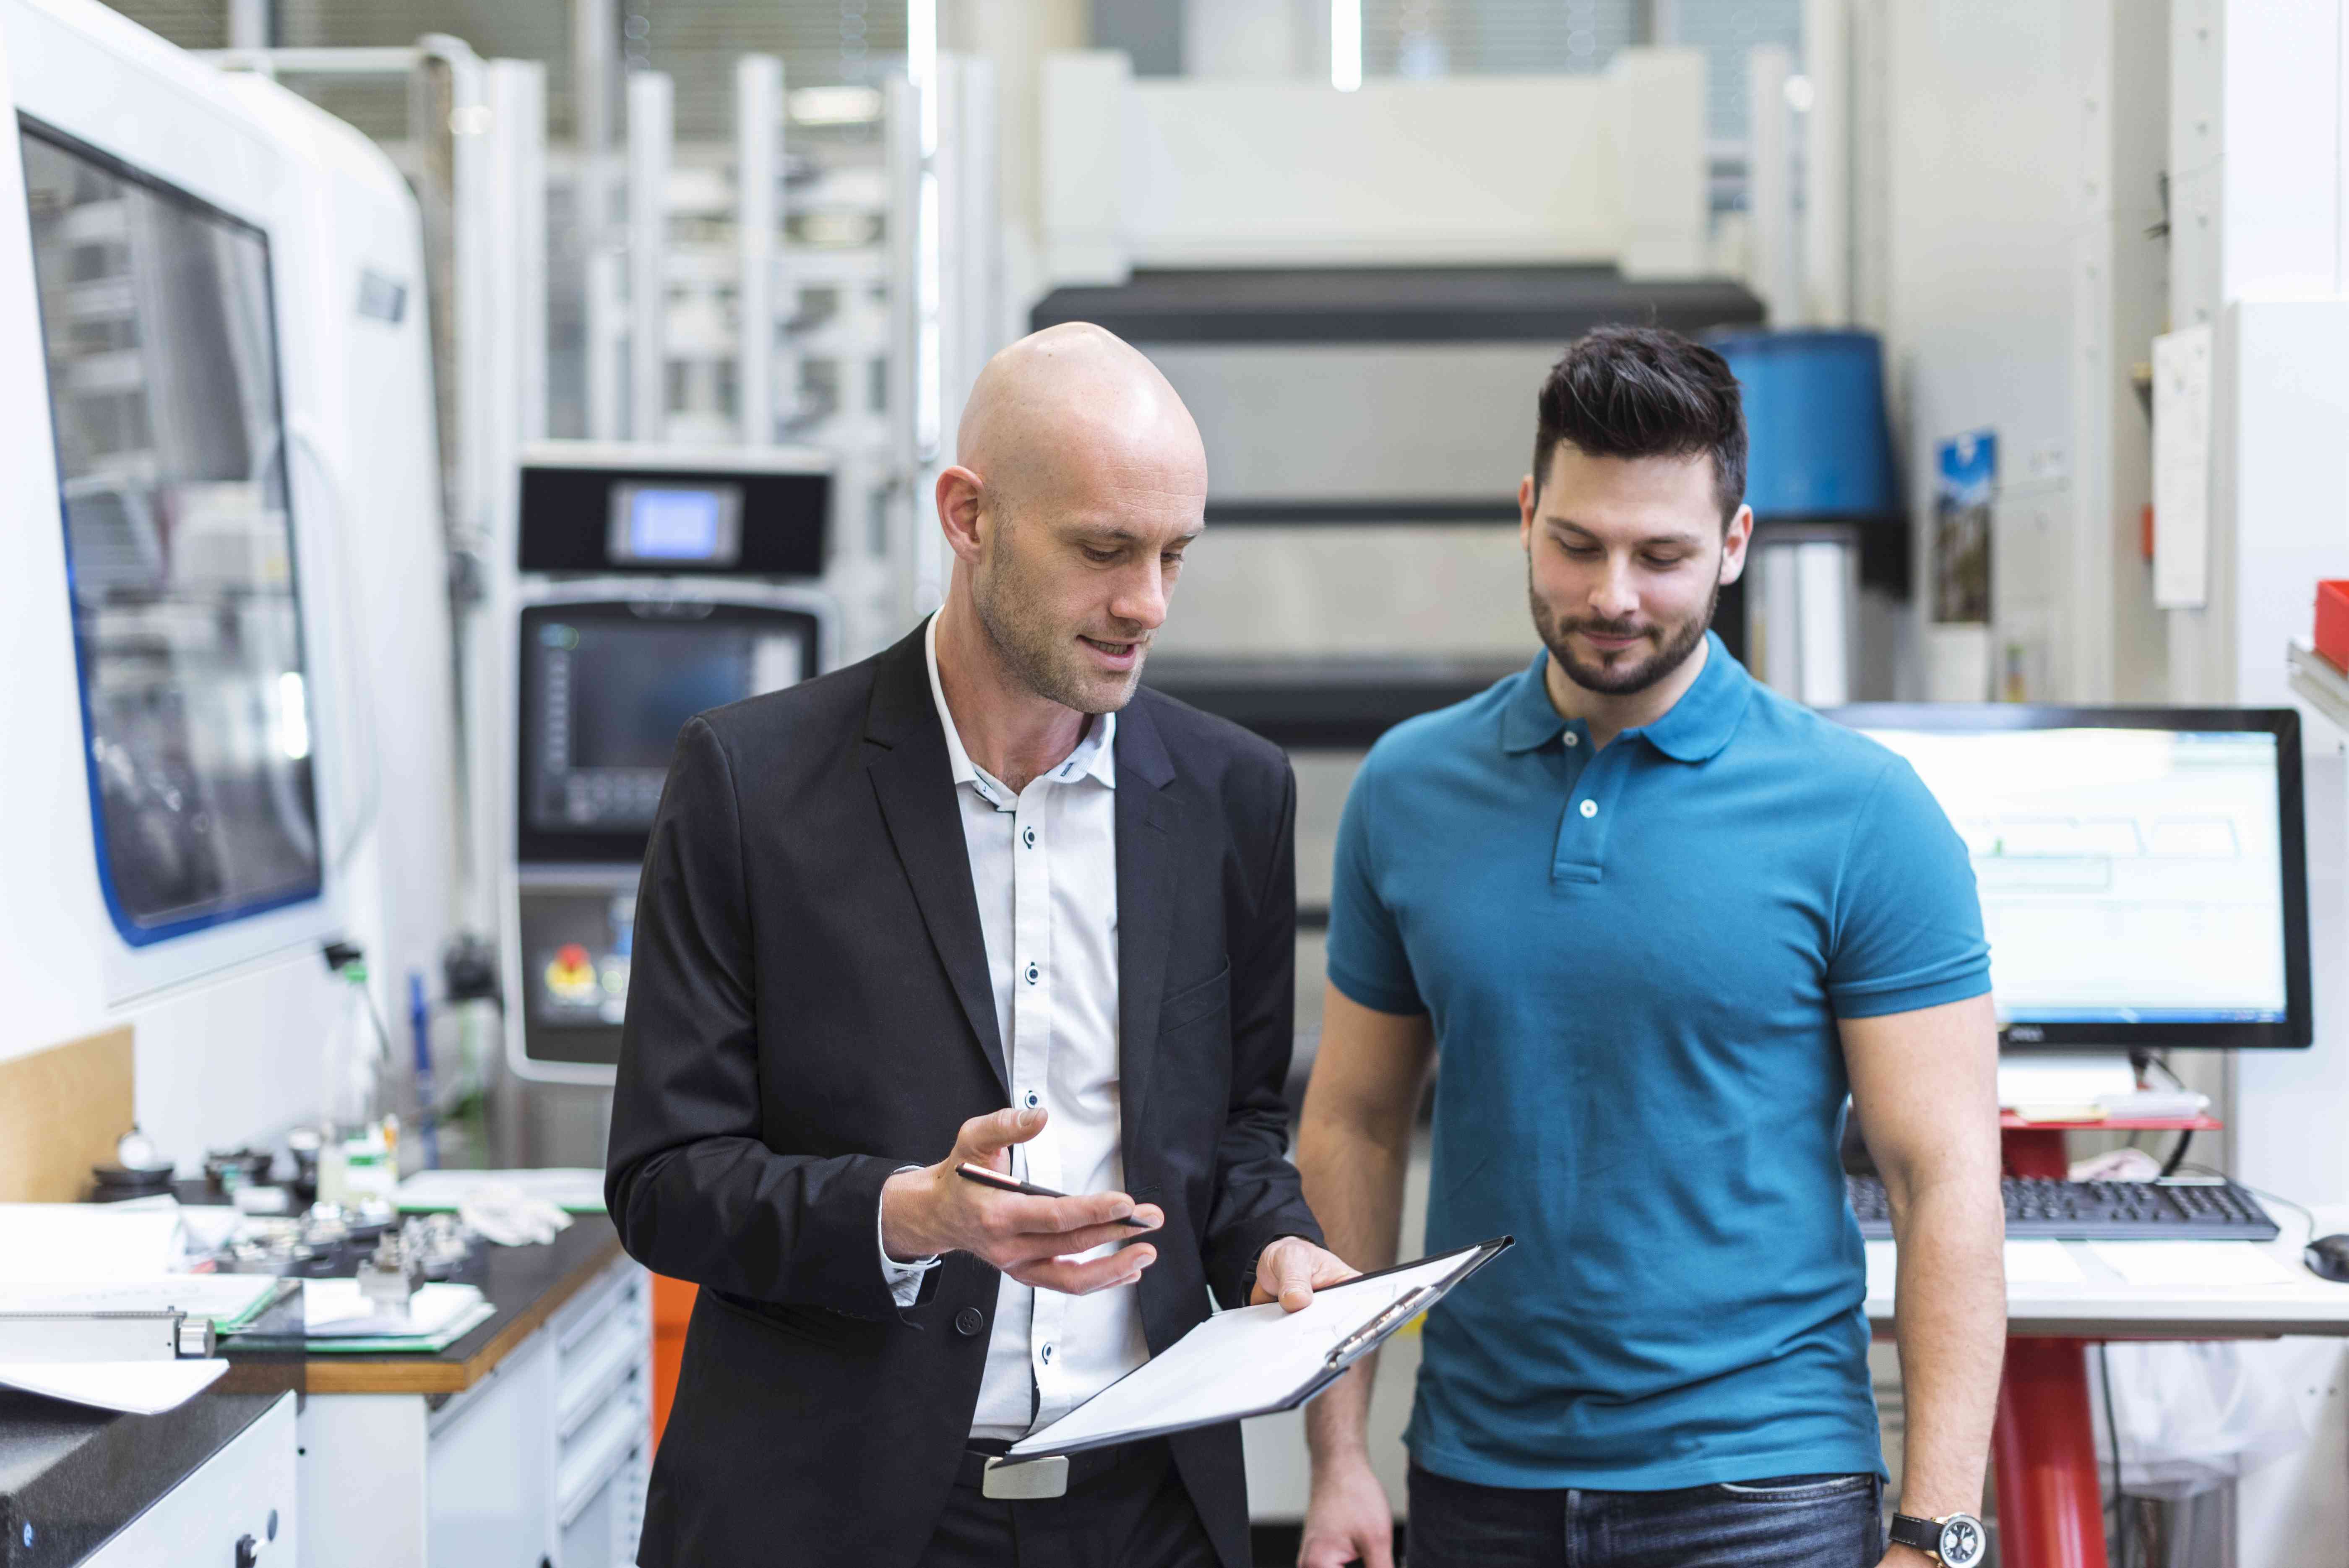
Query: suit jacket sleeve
x=1259, y=1197
x=691, y=1183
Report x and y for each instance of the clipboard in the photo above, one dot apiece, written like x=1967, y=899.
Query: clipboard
x=1252, y=1361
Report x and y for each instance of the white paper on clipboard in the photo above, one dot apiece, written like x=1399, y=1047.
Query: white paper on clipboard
x=1256, y=1360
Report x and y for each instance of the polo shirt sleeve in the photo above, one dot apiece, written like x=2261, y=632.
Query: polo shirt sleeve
x=1908, y=929
x=1366, y=955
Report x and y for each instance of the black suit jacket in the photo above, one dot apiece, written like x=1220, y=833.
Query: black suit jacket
x=810, y=1009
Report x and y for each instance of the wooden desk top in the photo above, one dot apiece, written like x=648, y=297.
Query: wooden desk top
x=525, y=1286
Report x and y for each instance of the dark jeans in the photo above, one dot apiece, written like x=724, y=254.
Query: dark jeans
x=1795, y=1522
x=1137, y=1515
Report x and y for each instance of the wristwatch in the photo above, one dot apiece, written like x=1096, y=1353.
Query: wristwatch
x=1954, y=1540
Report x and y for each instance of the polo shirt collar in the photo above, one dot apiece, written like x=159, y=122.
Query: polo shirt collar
x=1698, y=725
x=1695, y=728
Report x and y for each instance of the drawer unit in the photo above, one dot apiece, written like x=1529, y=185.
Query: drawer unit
x=602, y=1419
x=236, y=1510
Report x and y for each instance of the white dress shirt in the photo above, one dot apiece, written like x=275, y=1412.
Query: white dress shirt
x=1044, y=862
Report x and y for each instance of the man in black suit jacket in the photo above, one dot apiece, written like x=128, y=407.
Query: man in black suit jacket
x=980, y=898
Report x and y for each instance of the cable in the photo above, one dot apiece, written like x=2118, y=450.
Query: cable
x=2170, y=1166
x=2113, y=1432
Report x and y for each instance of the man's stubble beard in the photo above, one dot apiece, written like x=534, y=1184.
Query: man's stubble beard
x=1051, y=667
x=1622, y=681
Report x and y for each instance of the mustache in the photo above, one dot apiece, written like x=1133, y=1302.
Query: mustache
x=1606, y=627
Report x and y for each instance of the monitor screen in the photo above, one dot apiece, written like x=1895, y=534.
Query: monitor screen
x=654, y=524
x=607, y=688
x=2140, y=870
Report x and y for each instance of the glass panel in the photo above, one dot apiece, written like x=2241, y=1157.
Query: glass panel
x=162, y=365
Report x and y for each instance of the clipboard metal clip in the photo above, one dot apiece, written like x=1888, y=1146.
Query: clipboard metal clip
x=1406, y=1306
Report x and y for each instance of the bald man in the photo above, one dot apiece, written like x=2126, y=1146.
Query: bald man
x=975, y=899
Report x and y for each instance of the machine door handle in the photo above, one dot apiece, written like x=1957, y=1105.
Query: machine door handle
x=248, y=1552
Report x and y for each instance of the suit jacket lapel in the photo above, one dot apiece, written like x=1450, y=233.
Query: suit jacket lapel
x=906, y=756
x=1147, y=865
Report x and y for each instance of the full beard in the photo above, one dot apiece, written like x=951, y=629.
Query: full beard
x=1625, y=676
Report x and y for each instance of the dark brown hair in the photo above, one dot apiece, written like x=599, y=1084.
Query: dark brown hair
x=1641, y=391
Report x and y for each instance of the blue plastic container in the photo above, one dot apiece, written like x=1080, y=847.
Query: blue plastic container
x=1816, y=433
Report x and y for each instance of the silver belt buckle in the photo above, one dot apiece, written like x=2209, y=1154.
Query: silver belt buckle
x=1025, y=1480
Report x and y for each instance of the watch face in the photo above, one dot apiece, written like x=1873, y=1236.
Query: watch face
x=1963, y=1542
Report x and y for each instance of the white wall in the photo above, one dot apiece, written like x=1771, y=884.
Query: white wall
x=2019, y=287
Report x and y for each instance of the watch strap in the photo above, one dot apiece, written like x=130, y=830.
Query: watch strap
x=1924, y=1534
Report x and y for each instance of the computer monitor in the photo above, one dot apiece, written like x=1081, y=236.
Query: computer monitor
x=2142, y=871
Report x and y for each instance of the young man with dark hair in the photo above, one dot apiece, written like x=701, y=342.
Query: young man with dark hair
x=1658, y=921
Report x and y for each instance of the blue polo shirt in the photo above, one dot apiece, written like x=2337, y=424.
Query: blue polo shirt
x=1634, y=960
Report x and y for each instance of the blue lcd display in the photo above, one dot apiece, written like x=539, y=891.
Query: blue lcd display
x=674, y=525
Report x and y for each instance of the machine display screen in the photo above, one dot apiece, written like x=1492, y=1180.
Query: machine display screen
x=697, y=524
x=607, y=689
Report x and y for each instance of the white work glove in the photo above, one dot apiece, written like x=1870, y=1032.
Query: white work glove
x=509, y=1217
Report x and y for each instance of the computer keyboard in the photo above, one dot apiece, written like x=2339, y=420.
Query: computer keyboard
x=2195, y=1209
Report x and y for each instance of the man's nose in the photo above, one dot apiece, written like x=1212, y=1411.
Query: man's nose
x=1615, y=596
x=1141, y=599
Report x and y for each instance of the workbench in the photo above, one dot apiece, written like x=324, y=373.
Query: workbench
x=528, y=1440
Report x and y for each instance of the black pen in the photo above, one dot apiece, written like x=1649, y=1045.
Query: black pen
x=1003, y=1183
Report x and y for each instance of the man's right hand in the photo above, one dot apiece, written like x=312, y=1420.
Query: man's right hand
x=1348, y=1517
x=1036, y=1241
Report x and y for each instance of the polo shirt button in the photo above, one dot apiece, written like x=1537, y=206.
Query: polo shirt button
x=970, y=1321
x=1032, y=972
x=1590, y=808
x=1027, y=837
x=1572, y=739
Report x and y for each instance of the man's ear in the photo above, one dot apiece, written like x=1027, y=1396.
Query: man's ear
x=1733, y=545
x=1526, y=498
x=960, y=497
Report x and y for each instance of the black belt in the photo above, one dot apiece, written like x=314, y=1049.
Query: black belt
x=1083, y=1468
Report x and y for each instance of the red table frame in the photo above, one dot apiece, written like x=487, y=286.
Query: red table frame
x=2050, y=1511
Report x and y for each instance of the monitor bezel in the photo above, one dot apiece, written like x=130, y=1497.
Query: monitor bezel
x=2296, y=1031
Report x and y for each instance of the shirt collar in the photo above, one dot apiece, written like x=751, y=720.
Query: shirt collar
x=1693, y=729
x=1095, y=756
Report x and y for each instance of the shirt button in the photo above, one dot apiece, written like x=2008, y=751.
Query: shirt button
x=1027, y=837
x=1590, y=808
x=1033, y=1100
x=1033, y=972
x=969, y=1322
x=1048, y=1355
x=1572, y=739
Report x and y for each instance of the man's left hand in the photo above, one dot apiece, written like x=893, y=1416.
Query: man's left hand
x=1292, y=1268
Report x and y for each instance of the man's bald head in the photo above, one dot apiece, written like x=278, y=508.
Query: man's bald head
x=1078, y=483
x=1069, y=409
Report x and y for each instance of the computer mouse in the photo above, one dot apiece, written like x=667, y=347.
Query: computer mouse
x=2328, y=1258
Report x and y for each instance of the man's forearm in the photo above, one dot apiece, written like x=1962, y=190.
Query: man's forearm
x=1951, y=1320
x=1353, y=1182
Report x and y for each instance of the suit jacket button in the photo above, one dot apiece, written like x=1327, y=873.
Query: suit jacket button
x=970, y=1321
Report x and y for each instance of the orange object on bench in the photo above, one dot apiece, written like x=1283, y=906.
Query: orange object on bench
x=2332, y=621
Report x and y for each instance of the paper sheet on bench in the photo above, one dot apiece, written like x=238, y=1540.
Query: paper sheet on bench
x=140, y=1387
x=2040, y=1263
x=2169, y=1263
x=1235, y=1363
x=223, y=1298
